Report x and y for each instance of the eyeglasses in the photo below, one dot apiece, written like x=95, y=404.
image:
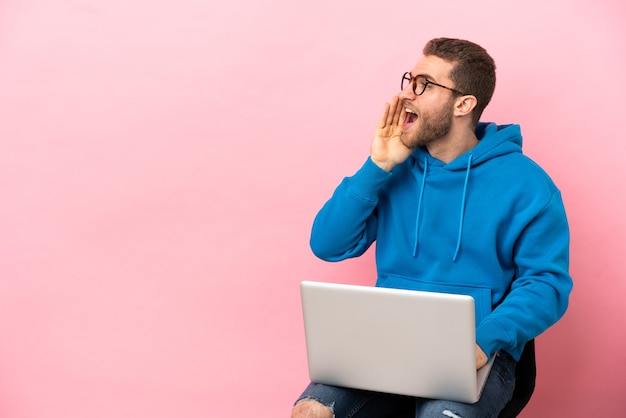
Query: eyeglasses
x=419, y=84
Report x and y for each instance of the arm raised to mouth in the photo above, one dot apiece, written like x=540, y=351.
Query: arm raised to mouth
x=387, y=149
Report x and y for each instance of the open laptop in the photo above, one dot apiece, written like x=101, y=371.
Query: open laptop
x=397, y=341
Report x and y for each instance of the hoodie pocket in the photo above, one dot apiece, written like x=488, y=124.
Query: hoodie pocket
x=481, y=295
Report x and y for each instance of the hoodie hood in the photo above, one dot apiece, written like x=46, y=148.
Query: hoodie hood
x=494, y=141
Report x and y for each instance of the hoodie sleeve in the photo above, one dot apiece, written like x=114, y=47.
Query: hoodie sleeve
x=540, y=292
x=346, y=225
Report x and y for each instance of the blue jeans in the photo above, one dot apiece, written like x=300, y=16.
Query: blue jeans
x=355, y=403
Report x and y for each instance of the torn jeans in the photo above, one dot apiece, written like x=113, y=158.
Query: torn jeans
x=355, y=403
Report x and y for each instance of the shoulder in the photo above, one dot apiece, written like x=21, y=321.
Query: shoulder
x=530, y=172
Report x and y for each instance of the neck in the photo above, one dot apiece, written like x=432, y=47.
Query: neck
x=448, y=148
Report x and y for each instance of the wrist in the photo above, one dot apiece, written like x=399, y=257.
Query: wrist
x=384, y=165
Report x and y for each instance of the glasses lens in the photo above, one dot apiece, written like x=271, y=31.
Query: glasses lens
x=406, y=78
x=419, y=85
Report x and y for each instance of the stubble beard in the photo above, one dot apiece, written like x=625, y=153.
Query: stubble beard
x=431, y=127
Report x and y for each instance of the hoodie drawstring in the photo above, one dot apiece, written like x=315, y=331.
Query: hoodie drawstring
x=462, y=215
x=419, y=209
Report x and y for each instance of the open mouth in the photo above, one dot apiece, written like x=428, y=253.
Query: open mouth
x=411, y=118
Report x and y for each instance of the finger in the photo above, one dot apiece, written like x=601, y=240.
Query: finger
x=392, y=119
x=402, y=116
x=383, y=118
x=392, y=111
x=398, y=111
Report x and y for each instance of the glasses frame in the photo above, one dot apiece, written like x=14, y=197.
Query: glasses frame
x=411, y=79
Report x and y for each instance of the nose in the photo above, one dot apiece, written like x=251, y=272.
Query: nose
x=407, y=93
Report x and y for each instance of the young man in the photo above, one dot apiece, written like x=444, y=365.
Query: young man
x=454, y=207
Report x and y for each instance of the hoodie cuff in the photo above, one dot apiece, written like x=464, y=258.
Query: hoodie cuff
x=491, y=337
x=367, y=182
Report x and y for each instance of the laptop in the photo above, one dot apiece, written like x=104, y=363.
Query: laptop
x=397, y=341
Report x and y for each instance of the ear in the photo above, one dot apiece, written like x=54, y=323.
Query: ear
x=464, y=105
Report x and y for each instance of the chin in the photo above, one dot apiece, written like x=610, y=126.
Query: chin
x=410, y=141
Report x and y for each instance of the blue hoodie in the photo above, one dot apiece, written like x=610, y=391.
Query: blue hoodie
x=490, y=224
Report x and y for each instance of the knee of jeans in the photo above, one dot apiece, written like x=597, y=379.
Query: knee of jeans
x=311, y=407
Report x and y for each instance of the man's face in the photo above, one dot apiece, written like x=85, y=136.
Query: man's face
x=429, y=115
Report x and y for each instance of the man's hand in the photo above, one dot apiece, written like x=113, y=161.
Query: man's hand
x=387, y=147
x=481, y=357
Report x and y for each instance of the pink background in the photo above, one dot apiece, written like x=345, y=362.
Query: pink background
x=162, y=161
